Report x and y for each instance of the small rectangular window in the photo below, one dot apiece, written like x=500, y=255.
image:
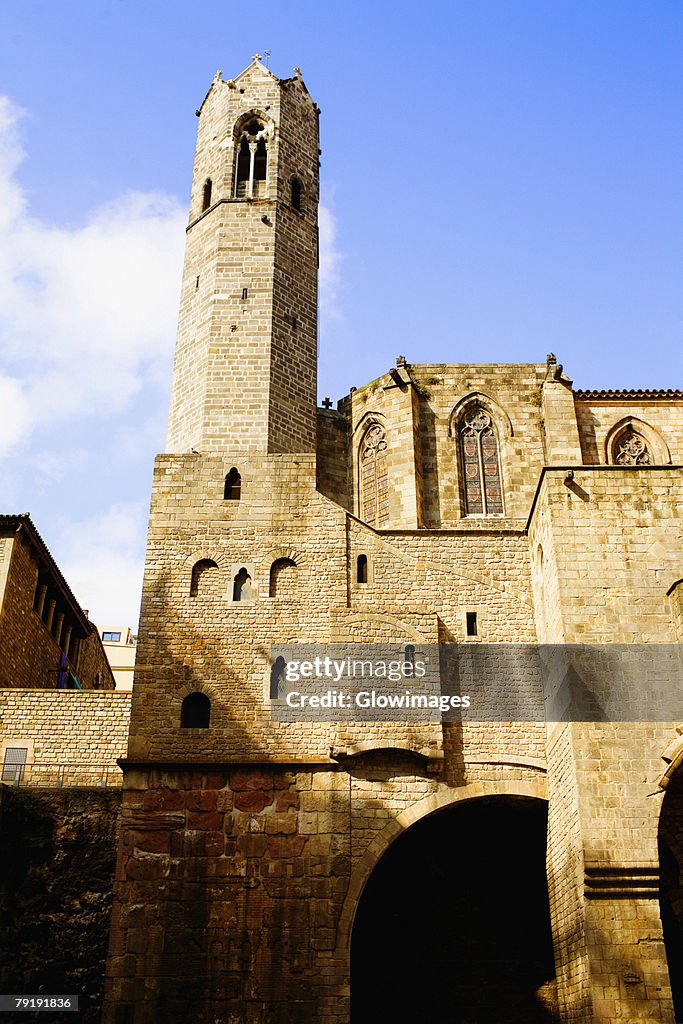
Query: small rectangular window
x=245, y=294
x=471, y=621
x=111, y=638
x=14, y=764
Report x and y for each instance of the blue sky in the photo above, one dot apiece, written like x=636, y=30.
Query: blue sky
x=500, y=179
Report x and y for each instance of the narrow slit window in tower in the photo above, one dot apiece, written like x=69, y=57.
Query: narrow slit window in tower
x=243, y=168
x=362, y=569
x=233, y=486
x=296, y=194
x=206, y=195
x=471, y=623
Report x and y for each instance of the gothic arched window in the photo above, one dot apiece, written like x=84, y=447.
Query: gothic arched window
x=241, y=588
x=481, y=464
x=630, y=449
x=252, y=161
x=374, y=483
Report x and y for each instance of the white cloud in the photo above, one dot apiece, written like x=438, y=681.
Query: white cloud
x=102, y=559
x=87, y=313
x=330, y=261
x=15, y=417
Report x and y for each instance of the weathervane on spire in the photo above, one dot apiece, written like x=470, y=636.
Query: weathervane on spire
x=267, y=56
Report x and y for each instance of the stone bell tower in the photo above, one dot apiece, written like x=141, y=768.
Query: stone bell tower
x=244, y=377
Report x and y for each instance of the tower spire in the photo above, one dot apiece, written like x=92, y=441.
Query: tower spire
x=245, y=367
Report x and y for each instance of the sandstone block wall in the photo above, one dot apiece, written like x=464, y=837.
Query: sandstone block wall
x=72, y=738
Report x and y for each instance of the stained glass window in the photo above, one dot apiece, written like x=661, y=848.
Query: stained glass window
x=374, y=480
x=481, y=465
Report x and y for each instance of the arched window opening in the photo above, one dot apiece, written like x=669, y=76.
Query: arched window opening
x=297, y=190
x=241, y=590
x=362, y=569
x=630, y=449
x=252, y=162
x=195, y=712
x=199, y=572
x=409, y=661
x=481, y=464
x=260, y=169
x=206, y=195
x=374, y=480
x=280, y=567
x=233, y=486
x=277, y=678
x=243, y=168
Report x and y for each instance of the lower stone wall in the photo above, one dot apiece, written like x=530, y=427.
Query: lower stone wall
x=237, y=887
x=57, y=855
x=73, y=737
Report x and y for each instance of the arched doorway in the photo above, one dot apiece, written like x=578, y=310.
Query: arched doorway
x=670, y=841
x=453, y=926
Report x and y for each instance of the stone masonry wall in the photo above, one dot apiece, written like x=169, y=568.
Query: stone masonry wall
x=597, y=418
x=72, y=736
x=57, y=855
x=236, y=886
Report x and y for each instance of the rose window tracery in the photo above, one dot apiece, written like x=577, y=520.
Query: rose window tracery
x=631, y=450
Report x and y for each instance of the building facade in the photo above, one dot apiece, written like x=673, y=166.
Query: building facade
x=305, y=871
x=119, y=645
x=58, y=724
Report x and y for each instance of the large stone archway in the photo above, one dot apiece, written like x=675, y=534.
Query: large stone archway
x=453, y=921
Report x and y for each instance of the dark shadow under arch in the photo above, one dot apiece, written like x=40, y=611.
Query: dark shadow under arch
x=454, y=925
x=670, y=842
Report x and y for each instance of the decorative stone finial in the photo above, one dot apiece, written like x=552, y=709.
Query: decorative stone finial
x=297, y=72
x=553, y=368
x=217, y=77
x=257, y=57
x=400, y=360
x=327, y=403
